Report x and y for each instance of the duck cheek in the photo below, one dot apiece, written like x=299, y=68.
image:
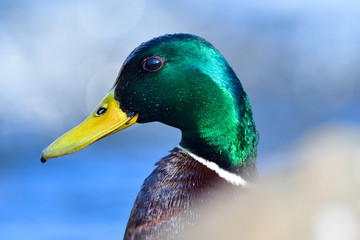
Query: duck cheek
x=151, y=111
x=145, y=117
x=145, y=111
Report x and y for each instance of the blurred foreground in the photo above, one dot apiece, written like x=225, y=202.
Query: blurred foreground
x=318, y=199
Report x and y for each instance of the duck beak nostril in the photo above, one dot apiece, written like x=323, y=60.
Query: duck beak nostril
x=101, y=111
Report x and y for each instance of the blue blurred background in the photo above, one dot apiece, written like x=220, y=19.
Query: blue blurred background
x=298, y=61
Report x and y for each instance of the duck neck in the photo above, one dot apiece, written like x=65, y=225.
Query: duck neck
x=230, y=140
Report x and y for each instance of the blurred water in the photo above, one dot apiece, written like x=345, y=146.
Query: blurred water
x=297, y=60
x=87, y=195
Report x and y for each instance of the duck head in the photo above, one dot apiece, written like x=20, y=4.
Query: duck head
x=180, y=80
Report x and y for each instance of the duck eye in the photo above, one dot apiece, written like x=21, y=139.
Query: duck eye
x=101, y=111
x=153, y=64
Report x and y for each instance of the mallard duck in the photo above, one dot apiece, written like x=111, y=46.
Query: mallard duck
x=180, y=80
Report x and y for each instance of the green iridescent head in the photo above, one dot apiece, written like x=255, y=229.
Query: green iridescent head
x=181, y=80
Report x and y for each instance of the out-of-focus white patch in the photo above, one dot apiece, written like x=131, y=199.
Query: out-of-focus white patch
x=99, y=84
x=111, y=18
x=356, y=162
x=32, y=114
x=336, y=222
x=14, y=75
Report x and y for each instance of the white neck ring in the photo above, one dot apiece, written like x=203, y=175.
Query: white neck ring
x=228, y=176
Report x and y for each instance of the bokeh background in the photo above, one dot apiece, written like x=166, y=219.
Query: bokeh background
x=298, y=61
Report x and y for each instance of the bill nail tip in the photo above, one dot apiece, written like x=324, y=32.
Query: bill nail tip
x=42, y=159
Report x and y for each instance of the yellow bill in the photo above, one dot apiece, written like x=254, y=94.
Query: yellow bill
x=106, y=119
